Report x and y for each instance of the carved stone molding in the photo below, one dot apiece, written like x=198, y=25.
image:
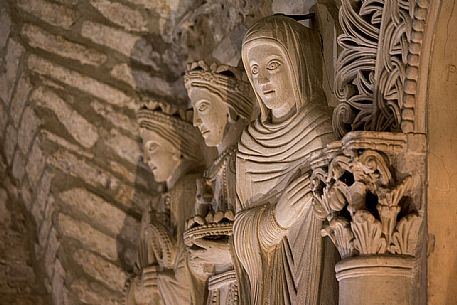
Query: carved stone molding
x=223, y=289
x=379, y=65
x=368, y=210
x=368, y=280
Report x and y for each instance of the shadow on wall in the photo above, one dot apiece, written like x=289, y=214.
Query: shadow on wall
x=21, y=280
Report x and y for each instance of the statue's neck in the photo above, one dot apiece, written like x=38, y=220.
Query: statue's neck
x=179, y=172
x=232, y=135
x=281, y=114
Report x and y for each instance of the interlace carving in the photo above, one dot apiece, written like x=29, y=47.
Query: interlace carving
x=366, y=208
x=371, y=69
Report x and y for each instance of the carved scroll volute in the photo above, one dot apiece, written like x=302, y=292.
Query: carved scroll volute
x=371, y=68
x=366, y=208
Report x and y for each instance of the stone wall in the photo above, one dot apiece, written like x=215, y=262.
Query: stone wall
x=72, y=74
x=442, y=169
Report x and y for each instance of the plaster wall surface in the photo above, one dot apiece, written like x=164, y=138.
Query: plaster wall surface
x=442, y=168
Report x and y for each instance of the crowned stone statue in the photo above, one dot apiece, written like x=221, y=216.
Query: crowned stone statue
x=172, y=150
x=222, y=99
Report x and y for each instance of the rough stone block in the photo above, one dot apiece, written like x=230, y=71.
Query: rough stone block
x=10, y=143
x=46, y=225
x=70, y=164
x=18, y=166
x=39, y=38
x=81, y=82
x=127, y=174
x=5, y=216
x=89, y=237
x=143, y=81
x=29, y=126
x=101, y=213
x=125, y=147
x=81, y=130
x=92, y=293
x=46, y=135
x=124, y=16
x=50, y=253
x=229, y=49
x=58, y=288
x=9, y=73
x=129, y=197
x=3, y=119
x=5, y=25
x=19, y=99
x=116, y=118
x=35, y=164
x=42, y=192
x=291, y=6
x=52, y=13
x=37, y=214
x=129, y=45
x=100, y=269
x=26, y=194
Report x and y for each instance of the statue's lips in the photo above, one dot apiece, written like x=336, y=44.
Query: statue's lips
x=204, y=131
x=267, y=92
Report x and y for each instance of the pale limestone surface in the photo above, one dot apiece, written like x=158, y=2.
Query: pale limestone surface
x=222, y=100
x=442, y=147
x=171, y=151
x=42, y=44
x=275, y=217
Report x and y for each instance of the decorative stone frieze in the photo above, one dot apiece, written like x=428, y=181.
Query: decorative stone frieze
x=374, y=65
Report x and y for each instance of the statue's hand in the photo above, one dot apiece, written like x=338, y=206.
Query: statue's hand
x=211, y=252
x=294, y=201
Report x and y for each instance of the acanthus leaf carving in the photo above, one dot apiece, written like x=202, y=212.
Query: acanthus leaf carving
x=367, y=234
x=405, y=238
x=362, y=201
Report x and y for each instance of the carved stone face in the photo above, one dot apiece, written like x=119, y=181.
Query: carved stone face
x=271, y=76
x=210, y=115
x=161, y=157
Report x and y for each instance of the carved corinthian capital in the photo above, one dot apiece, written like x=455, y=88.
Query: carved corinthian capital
x=368, y=208
x=368, y=190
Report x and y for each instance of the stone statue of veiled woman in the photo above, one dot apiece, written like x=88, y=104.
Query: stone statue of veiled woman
x=277, y=240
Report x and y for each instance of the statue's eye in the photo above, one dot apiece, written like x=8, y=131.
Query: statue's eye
x=254, y=69
x=152, y=147
x=274, y=64
x=203, y=106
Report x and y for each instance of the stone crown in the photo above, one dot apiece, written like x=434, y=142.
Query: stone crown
x=230, y=83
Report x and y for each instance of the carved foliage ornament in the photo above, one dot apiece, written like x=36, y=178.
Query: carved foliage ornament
x=371, y=68
x=366, y=208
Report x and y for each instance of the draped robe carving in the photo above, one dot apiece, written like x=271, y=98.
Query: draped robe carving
x=283, y=265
